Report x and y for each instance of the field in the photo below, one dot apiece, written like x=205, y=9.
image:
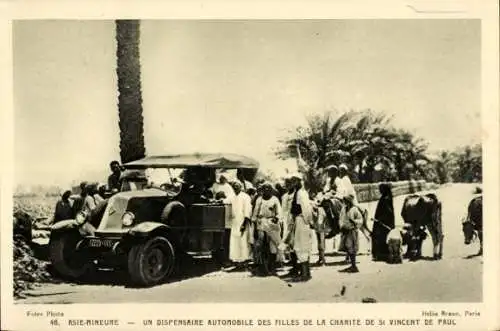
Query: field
x=31, y=217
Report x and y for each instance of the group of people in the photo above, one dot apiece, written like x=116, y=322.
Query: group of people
x=270, y=227
x=90, y=196
x=273, y=224
x=265, y=230
x=385, y=239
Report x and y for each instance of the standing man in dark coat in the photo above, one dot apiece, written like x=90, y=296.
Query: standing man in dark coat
x=384, y=223
x=64, y=208
x=114, y=180
x=79, y=200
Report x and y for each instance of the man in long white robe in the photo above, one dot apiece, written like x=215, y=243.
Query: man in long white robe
x=301, y=211
x=241, y=211
x=345, y=187
x=287, y=221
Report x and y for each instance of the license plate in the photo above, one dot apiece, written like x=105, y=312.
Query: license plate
x=108, y=243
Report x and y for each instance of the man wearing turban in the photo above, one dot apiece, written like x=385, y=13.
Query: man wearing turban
x=301, y=211
x=266, y=216
x=241, y=210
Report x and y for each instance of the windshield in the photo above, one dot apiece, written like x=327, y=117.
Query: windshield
x=143, y=179
x=157, y=177
x=165, y=177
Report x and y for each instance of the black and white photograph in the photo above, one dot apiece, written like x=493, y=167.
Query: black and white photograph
x=250, y=161
x=247, y=161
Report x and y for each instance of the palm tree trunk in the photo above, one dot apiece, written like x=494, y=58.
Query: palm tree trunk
x=129, y=91
x=400, y=168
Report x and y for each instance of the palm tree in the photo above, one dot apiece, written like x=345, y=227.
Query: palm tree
x=409, y=155
x=363, y=140
x=367, y=143
x=319, y=144
x=129, y=91
x=442, y=166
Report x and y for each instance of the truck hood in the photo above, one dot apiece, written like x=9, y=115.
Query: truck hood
x=135, y=201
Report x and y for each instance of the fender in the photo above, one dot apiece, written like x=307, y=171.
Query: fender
x=85, y=229
x=144, y=229
x=168, y=209
x=64, y=225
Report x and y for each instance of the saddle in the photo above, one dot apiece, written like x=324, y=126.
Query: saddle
x=332, y=208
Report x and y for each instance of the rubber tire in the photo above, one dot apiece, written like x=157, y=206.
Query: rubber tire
x=137, y=258
x=58, y=247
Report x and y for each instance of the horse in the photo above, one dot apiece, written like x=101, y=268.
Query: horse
x=472, y=226
x=423, y=212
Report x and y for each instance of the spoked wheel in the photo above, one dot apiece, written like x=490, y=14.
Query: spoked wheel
x=151, y=262
x=66, y=259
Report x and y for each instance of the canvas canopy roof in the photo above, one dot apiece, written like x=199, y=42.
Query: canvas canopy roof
x=222, y=161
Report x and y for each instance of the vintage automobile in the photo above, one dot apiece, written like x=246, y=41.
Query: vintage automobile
x=145, y=227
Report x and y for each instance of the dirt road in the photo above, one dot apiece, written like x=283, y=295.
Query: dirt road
x=455, y=278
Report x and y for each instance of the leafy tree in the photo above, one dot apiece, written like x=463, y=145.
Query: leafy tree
x=467, y=164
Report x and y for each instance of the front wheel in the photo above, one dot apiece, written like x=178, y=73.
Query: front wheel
x=65, y=258
x=151, y=262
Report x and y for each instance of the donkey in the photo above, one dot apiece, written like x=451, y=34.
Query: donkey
x=327, y=223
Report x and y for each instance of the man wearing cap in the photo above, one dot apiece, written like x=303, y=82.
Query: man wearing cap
x=301, y=211
x=351, y=220
x=241, y=210
x=332, y=180
x=266, y=215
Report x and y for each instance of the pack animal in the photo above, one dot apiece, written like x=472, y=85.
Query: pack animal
x=423, y=212
x=472, y=226
x=332, y=208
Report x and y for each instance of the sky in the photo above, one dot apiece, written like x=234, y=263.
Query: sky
x=234, y=86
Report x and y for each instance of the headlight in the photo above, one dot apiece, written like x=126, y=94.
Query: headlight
x=80, y=218
x=128, y=218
